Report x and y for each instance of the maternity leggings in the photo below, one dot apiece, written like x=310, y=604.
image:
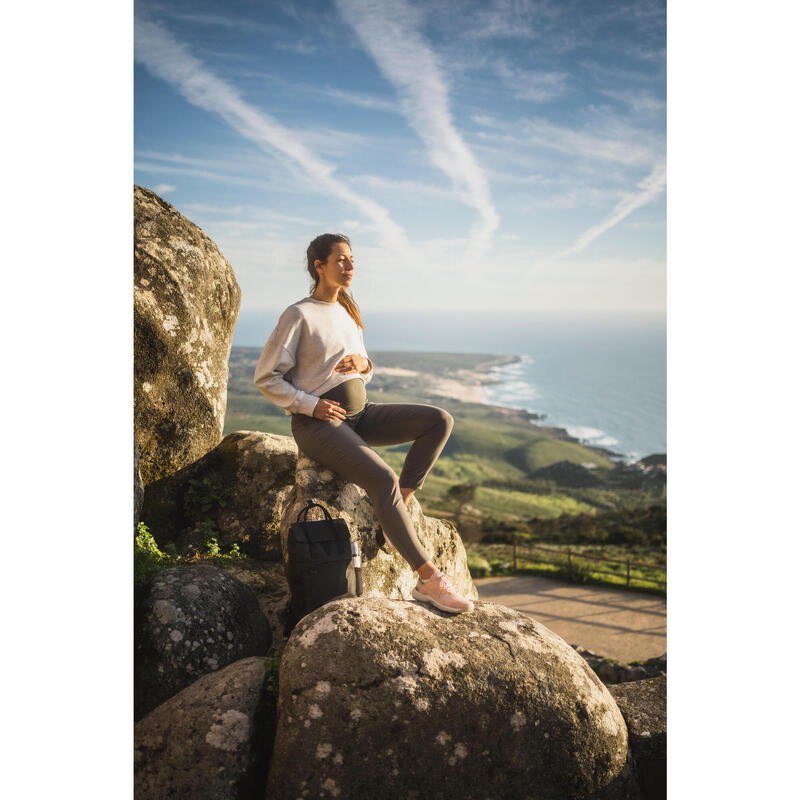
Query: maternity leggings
x=343, y=446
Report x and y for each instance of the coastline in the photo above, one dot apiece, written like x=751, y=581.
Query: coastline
x=460, y=384
x=464, y=377
x=467, y=385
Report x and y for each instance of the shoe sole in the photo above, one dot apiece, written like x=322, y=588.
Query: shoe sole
x=426, y=598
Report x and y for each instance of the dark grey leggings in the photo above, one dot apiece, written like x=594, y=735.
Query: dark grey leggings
x=343, y=446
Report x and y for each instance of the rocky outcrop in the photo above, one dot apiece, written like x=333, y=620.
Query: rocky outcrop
x=250, y=488
x=383, y=574
x=267, y=580
x=138, y=489
x=236, y=492
x=186, y=301
x=210, y=740
x=192, y=621
x=610, y=671
x=392, y=694
x=644, y=706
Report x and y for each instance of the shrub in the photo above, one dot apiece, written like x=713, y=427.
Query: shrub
x=478, y=565
x=147, y=558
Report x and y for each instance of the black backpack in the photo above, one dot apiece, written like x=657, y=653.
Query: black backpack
x=323, y=564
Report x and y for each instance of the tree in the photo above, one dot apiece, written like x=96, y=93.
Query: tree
x=461, y=494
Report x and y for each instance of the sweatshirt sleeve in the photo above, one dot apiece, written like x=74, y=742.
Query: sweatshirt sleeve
x=276, y=359
x=367, y=376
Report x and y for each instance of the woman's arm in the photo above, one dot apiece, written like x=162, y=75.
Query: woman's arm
x=277, y=358
x=367, y=376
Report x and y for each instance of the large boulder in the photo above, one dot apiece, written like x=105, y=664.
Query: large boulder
x=236, y=492
x=138, y=489
x=185, y=305
x=384, y=574
x=644, y=706
x=191, y=621
x=485, y=704
x=209, y=740
x=268, y=581
x=611, y=672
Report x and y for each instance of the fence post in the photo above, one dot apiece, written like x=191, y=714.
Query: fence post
x=515, y=550
x=569, y=561
x=628, y=577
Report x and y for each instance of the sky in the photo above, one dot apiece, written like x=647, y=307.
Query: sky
x=502, y=154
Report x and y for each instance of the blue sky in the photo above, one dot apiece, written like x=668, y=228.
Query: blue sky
x=480, y=155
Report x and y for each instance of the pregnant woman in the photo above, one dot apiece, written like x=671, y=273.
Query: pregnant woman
x=315, y=367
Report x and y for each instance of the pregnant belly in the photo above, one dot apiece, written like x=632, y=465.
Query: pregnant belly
x=350, y=394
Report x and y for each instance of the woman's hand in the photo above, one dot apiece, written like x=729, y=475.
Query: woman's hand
x=328, y=410
x=353, y=363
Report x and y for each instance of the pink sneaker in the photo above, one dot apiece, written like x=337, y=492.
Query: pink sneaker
x=440, y=592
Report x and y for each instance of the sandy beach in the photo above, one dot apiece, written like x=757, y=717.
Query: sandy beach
x=466, y=387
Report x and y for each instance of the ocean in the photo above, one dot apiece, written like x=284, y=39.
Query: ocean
x=601, y=377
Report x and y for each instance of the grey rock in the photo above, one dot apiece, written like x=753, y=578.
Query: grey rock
x=610, y=672
x=138, y=489
x=191, y=621
x=656, y=666
x=644, y=706
x=238, y=490
x=384, y=574
x=485, y=704
x=208, y=741
x=268, y=581
x=186, y=301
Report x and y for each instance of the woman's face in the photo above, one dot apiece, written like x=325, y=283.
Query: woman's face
x=338, y=269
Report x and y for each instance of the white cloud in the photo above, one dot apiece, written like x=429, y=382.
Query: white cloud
x=226, y=20
x=171, y=61
x=301, y=48
x=585, y=144
x=640, y=101
x=198, y=172
x=601, y=136
x=164, y=188
x=536, y=85
x=650, y=188
x=388, y=31
x=355, y=98
x=407, y=187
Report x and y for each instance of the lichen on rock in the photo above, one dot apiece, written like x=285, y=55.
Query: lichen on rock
x=186, y=302
x=537, y=723
x=182, y=634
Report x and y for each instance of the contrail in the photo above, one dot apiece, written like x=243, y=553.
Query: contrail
x=651, y=187
x=171, y=61
x=388, y=32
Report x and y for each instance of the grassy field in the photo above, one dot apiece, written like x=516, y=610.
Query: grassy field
x=497, y=559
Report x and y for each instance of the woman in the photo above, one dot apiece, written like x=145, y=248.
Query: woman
x=315, y=367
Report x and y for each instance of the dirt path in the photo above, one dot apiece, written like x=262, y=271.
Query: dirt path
x=618, y=623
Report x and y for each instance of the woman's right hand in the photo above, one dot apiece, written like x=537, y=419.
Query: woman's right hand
x=328, y=410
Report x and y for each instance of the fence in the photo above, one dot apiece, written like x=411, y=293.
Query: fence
x=525, y=548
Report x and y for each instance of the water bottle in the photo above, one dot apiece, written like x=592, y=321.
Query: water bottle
x=355, y=550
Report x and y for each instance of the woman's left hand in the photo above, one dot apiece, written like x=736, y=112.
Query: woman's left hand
x=353, y=363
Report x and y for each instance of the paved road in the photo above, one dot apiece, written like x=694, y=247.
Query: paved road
x=618, y=623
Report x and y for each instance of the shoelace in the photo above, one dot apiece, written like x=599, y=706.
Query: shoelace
x=445, y=583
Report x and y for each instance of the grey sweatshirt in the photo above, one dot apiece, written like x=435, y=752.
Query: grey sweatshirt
x=297, y=364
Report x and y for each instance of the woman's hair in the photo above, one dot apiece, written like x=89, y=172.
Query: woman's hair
x=320, y=249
